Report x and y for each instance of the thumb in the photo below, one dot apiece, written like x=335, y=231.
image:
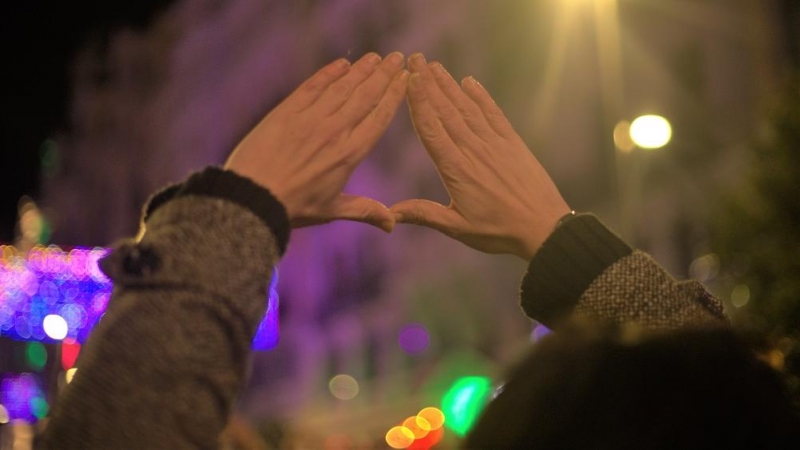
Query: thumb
x=426, y=213
x=363, y=209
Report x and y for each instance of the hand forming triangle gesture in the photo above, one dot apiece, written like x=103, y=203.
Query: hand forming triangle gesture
x=304, y=151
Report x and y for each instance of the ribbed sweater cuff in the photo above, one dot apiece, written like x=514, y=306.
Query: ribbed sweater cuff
x=218, y=183
x=573, y=256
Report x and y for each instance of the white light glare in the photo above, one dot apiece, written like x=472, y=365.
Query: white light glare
x=55, y=326
x=651, y=131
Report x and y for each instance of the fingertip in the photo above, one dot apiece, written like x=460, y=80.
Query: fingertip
x=416, y=61
x=437, y=67
x=341, y=64
x=395, y=58
x=470, y=83
x=372, y=58
x=388, y=227
x=403, y=75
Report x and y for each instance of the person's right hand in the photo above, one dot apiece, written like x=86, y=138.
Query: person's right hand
x=501, y=198
x=306, y=148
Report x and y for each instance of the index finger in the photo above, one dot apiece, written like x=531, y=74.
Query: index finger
x=494, y=115
x=312, y=88
x=426, y=122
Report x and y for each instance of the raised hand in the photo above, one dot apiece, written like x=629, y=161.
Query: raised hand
x=501, y=198
x=305, y=150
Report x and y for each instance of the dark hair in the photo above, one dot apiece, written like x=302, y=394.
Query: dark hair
x=612, y=387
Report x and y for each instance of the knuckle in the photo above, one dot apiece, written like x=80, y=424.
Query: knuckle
x=313, y=85
x=341, y=90
x=396, y=90
x=469, y=113
x=415, y=215
x=365, y=95
x=448, y=112
x=429, y=129
x=496, y=116
x=382, y=115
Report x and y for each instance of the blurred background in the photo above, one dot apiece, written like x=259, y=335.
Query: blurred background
x=105, y=102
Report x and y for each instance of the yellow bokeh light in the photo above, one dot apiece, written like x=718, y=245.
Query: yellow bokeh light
x=70, y=374
x=418, y=425
x=651, y=131
x=740, y=295
x=343, y=387
x=434, y=417
x=4, y=417
x=423, y=423
x=622, y=137
x=399, y=437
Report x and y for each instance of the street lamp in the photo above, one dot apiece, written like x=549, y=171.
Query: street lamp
x=650, y=131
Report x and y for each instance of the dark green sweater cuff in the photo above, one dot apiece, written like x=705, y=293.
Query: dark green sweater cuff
x=574, y=255
x=218, y=183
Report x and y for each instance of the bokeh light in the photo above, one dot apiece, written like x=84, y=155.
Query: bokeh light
x=49, y=281
x=343, y=387
x=434, y=416
x=425, y=443
x=268, y=332
x=414, y=338
x=69, y=353
x=55, y=326
x=35, y=355
x=705, y=267
x=464, y=401
x=539, y=332
x=70, y=374
x=19, y=394
x=622, y=137
x=651, y=131
x=399, y=437
x=418, y=425
x=39, y=407
x=4, y=417
x=740, y=295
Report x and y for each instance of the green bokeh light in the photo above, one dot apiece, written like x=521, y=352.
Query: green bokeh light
x=36, y=355
x=39, y=407
x=464, y=401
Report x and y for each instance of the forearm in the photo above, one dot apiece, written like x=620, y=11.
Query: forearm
x=166, y=362
x=584, y=269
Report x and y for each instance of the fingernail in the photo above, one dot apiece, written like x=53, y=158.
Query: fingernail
x=417, y=61
x=341, y=63
x=415, y=80
x=372, y=58
x=395, y=59
x=438, y=67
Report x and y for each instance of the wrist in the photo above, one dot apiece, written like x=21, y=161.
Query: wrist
x=546, y=227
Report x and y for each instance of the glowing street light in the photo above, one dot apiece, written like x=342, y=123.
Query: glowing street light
x=651, y=131
x=55, y=326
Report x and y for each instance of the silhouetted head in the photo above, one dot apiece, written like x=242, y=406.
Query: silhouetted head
x=614, y=387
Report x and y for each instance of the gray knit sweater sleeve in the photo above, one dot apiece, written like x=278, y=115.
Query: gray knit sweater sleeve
x=583, y=269
x=168, y=358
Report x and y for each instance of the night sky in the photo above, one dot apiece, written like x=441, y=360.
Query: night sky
x=39, y=39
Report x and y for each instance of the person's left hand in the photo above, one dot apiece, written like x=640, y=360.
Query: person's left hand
x=305, y=150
